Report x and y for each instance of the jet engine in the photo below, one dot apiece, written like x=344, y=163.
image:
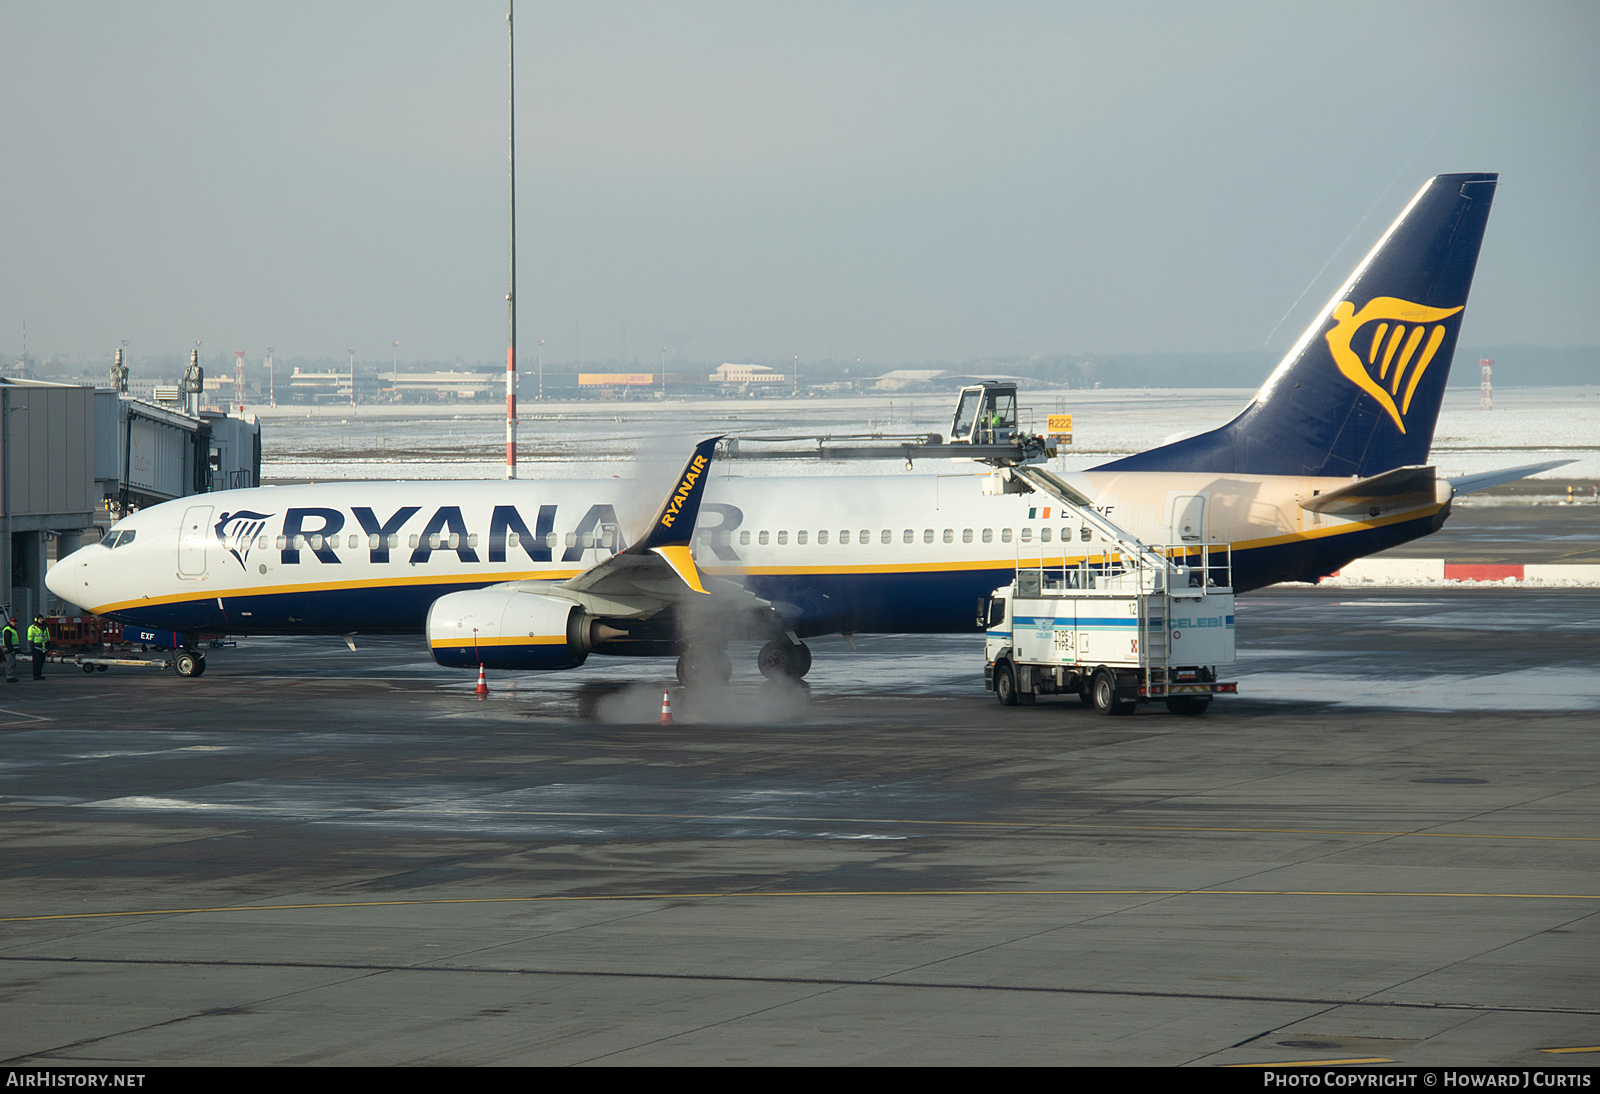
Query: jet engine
x=507, y=628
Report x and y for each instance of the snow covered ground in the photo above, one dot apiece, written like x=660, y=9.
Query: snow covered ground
x=589, y=439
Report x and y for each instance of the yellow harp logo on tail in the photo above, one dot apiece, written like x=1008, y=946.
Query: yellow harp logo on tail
x=1401, y=328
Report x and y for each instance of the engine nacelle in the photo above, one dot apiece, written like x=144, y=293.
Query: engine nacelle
x=508, y=629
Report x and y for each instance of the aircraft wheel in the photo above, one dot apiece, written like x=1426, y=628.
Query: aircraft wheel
x=1104, y=692
x=698, y=666
x=1188, y=704
x=187, y=664
x=780, y=659
x=200, y=669
x=1005, y=684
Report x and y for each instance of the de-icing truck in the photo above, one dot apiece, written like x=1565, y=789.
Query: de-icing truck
x=1145, y=624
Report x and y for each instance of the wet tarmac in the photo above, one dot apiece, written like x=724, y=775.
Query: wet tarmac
x=1500, y=527
x=1386, y=847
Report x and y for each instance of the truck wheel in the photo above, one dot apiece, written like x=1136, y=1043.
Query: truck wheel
x=1188, y=704
x=1103, y=691
x=186, y=664
x=1005, y=684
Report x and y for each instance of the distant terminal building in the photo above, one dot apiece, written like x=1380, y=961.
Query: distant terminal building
x=906, y=379
x=615, y=379
x=462, y=385
x=729, y=373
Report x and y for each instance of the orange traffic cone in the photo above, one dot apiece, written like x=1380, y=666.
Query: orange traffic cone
x=666, y=706
x=482, y=690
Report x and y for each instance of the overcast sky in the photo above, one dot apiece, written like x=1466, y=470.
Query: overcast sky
x=896, y=182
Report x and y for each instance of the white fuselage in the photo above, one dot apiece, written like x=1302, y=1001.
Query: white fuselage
x=898, y=551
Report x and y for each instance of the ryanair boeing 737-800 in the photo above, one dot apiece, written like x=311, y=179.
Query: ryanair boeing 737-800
x=1326, y=464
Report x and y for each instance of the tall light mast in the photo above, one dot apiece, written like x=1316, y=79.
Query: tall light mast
x=511, y=289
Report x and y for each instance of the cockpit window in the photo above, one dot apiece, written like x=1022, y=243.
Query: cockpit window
x=110, y=540
x=126, y=538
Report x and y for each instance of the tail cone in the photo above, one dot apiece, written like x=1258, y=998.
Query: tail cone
x=482, y=690
x=666, y=706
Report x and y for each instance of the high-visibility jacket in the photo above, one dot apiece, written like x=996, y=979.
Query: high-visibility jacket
x=38, y=635
x=8, y=637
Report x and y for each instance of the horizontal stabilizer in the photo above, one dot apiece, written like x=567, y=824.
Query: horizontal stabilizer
x=1402, y=488
x=1469, y=484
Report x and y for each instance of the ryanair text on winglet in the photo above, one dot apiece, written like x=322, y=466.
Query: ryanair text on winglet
x=681, y=496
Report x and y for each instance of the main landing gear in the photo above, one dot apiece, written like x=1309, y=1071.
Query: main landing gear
x=700, y=666
x=703, y=665
x=782, y=659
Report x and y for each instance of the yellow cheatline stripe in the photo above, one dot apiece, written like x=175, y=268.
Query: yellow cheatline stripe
x=470, y=577
x=1584, y=1048
x=467, y=577
x=1010, y=824
x=735, y=894
x=1321, y=1063
x=513, y=640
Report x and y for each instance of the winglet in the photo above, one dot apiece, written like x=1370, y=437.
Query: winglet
x=674, y=522
x=681, y=559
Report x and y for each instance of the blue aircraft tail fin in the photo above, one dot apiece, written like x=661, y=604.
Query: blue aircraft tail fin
x=1359, y=393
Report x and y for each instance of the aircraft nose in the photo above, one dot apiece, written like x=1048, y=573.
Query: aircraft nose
x=66, y=579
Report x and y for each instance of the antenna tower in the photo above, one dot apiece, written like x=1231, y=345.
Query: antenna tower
x=1486, y=389
x=511, y=288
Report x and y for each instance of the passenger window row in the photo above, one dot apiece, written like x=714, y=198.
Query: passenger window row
x=455, y=542
x=909, y=535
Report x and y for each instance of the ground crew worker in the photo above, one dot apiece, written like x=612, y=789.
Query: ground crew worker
x=10, y=638
x=38, y=635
